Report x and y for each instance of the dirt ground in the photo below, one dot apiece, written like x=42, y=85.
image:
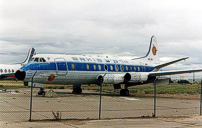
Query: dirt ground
x=171, y=122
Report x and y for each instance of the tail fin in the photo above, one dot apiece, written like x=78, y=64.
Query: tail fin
x=152, y=55
x=31, y=53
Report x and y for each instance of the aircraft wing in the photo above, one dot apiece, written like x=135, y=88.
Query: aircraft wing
x=168, y=63
x=163, y=73
x=7, y=75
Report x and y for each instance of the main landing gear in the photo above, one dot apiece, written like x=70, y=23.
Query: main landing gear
x=124, y=92
x=77, y=90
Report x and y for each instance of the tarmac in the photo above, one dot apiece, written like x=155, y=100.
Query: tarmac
x=175, y=122
x=83, y=111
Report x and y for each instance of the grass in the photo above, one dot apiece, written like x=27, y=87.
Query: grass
x=168, y=89
x=11, y=83
x=148, y=89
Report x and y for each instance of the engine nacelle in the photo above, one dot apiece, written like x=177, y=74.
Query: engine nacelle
x=136, y=77
x=113, y=78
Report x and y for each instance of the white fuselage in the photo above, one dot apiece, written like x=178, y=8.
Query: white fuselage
x=80, y=69
x=9, y=68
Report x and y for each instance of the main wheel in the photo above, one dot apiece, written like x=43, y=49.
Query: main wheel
x=124, y=92
x=127, y=92
x=25, y=83
x=77, y=90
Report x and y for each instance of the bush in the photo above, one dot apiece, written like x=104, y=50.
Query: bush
x=49, y=87
x=55, y=87
x=182, y=81
x=61, y=87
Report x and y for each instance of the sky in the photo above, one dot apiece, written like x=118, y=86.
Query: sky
x=112, y=27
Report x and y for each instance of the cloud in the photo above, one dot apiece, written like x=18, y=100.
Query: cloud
x=93, y=27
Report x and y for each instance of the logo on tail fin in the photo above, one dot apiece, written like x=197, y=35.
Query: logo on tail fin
x=154, y=50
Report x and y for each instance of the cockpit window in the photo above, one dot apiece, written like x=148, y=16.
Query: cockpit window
x=32, y=59
x=42, y=60
x=38, y=59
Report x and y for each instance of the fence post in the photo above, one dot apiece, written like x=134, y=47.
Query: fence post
x=201, y=99
x=154, y=114
x=30, y=112
x=100, y=104
x=100, y=81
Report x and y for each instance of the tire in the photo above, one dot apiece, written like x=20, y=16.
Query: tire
x=25, y=83
x=77, y=90
x=122, y=92
x=127, y=92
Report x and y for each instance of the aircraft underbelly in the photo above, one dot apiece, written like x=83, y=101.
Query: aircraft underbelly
x=72, y=77
x=82, y=77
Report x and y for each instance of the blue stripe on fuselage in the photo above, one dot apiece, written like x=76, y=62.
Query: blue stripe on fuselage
x=79, y=66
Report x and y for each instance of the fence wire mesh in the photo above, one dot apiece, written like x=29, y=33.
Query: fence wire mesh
x=64, y=105
x=60, y=103
x=14, y=101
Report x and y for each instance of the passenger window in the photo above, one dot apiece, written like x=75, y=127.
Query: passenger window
x=135, y=69
x=94, y=66
x=9, y=71
x=1, y=70
x=87, y=66
x=121, y=67
x=117, y=68
x=99, y=66
x=13, y=70
x=138, y=69
x=131, y=68
x=73, y=66
x=106, y=68
x=5, y=71
x=126, y=68
x=111, y=67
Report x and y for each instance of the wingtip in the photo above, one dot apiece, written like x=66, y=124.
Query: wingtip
x=186, y=58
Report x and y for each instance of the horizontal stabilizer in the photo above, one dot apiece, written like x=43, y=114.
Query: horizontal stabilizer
x=163, y=73
x=168, y=63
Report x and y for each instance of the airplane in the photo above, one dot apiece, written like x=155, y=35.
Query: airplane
x=7, y=71
x=90, y=69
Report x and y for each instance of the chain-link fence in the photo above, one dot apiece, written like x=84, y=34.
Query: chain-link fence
x=14, y=101
x=60, y=103
x=64, y=105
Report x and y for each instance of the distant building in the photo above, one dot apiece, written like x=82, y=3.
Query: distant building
x=190, y=77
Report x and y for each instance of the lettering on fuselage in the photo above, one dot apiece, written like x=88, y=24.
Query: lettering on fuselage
x=99, y=60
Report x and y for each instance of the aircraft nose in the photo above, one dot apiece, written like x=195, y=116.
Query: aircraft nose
x=20, y=75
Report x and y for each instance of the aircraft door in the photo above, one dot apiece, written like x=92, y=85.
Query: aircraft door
x=143, y=68
x=61, y=66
